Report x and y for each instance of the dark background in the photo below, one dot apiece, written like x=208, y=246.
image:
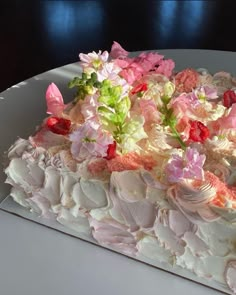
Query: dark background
x=36, y=36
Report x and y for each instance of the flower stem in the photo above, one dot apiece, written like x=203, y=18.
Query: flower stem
x=176, y=134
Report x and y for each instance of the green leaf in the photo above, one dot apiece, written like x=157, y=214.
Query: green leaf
x=94, y=77
x=116, y=91
x=107, y=100
x=107, y=113
x=84, y=76
x=165, y=99
x=74, y=82
x=123, y=106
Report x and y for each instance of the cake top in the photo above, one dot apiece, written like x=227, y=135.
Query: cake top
x=132, y=113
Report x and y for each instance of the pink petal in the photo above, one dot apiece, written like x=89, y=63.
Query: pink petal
x=148, y=60
x=149, y=111
x=229, y=121
x=166, y=67
x=117, y=51
x=54, y=99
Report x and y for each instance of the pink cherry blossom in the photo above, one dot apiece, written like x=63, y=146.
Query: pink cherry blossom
x=117, y=51
x=54, y=99
x=188, y=166
x=165, y=67
x=90, y=141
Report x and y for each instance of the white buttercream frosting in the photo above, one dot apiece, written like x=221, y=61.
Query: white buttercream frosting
x=131, y=211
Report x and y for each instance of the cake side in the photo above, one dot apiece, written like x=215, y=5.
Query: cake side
x=142, y=160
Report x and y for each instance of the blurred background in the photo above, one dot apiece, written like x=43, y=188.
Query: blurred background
x=37, y=36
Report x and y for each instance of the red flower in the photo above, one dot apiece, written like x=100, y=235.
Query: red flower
x=111, y=151
x=229, y=98
x=139, y=88
x=198, y=132
x=59, y=125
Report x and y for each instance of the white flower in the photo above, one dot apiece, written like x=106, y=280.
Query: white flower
x=93, y=60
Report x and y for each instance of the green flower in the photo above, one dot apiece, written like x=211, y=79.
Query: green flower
x=86, y=85
x=114, y=109
x=133, y=132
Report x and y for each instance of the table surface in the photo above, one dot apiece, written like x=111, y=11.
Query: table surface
x=36, y=260
x=37, y=36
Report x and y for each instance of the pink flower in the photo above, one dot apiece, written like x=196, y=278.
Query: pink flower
x=123, y=63
x=165, y=67
x=90, y=141
x=206, y=92
x=117, y=51
x=186, y=80
x=193, y=100
x=229, y=121
x=183, y=126
x=148, y=61
x=89, y=107
x=132, y=73
x=189, y=166
x=109, y=71
x=134, y=68
x=182, y=104
x=54, y=99
x=149, y=111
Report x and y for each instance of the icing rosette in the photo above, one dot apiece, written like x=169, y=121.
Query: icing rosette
x=193, y=200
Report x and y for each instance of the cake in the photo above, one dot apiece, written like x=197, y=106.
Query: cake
x=142, y=159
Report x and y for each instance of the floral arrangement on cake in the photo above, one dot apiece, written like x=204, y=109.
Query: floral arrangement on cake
x=137, y=113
